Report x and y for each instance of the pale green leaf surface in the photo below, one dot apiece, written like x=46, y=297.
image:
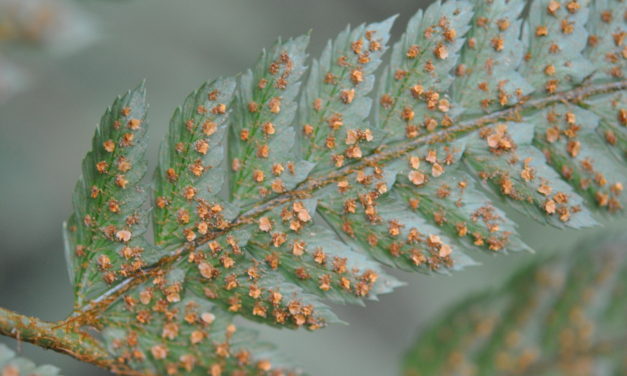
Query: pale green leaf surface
x=490, y=57
x=104, y=236
x=413, y=87
x=606, y=28
x=554, y=37
x=261, y=134
x=335, y=105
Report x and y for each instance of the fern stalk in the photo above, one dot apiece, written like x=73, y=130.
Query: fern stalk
x=57, y=336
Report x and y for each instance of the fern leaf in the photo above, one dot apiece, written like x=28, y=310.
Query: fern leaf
x=311, y=256
x=13, y=365
x=104, y=236
x=506, y=159
x=564, y=315
x=579, y=155
x=239, y=276
x=420, y=184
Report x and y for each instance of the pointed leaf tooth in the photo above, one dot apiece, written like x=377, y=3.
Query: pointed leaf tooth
x=413, y=91
x=335, y=105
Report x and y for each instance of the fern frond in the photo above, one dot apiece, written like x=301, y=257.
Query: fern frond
x=11, y=365
x=564, y=315
x=265, y=214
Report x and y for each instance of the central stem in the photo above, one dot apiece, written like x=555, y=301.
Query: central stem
x=60, y=337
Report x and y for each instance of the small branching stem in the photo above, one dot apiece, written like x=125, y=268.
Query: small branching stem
x=61, y=337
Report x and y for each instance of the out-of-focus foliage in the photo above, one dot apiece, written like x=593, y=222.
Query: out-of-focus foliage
x=45, y=26
x=560, y=316
x=11, y=365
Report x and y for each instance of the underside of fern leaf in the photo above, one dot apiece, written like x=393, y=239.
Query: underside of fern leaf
x=560, y=316
x=291, y=185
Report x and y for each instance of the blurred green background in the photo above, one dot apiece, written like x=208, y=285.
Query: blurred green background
x=176, y=45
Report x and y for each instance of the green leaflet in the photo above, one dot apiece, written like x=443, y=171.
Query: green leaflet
x=311, y=256
x=229, y=273
x=555, y=37
x=490, y=57
x=568, y=137
x=465, y=213
x=372, y=216
x=606, y=28
x=335, y=105
x=261, y=142
x=12, y=365
x=413, y=87
x=504, y=158
x=191, y=168
x=561, y=316
x=104, y=236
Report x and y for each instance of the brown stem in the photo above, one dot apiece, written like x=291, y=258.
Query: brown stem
x=60, y=337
